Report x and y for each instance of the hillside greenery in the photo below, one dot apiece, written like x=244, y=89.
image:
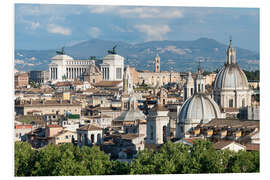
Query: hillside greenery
x=70, y=160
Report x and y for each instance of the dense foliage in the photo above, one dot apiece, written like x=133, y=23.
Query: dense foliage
x=70, y=160
x=252, y=75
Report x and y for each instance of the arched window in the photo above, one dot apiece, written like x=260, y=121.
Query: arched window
x=151, y=132
x=243, y=102
x=231, y=103
x=164, y=130
x=99, y=138
x=85, y=139
x=92, y=138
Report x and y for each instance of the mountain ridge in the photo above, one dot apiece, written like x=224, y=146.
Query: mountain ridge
x=181, y=55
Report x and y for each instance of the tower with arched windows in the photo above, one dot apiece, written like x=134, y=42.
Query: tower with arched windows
x=157, y=64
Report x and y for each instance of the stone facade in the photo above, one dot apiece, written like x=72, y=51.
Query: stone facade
x=89, y=135
x=112, y=67
x=158, y=125
x=47, y=107
x=21, y=80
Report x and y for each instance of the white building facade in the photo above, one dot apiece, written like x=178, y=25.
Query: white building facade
x=65, y=68
x=112, y=67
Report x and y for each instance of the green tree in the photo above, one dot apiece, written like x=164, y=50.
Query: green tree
x=95, y=161
x=24, y=159
x=47, y=159
x=143, y=163
x=242, y=162
x=119, y=168
x=68, y=166
x=205, y=159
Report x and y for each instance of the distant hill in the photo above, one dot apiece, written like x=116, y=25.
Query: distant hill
x=179, y=55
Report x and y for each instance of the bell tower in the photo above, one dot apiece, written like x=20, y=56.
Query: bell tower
x=157, y=64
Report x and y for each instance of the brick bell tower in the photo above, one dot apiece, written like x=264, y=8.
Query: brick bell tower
x=157, y=64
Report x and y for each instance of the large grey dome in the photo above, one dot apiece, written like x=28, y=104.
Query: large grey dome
x=231, y=77
x=199, y=109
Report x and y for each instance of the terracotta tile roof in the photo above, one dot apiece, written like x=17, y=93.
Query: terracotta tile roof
x=223, y=143
x=252, y=147
x=36, y=103
x=65, y=83
x=61, y=132
x=189, y=140
x=130, y=136
x=54, y=126
x=107, y=83
x=233, y=123
x=89, y=127
x=23, y=126
x=77, y=83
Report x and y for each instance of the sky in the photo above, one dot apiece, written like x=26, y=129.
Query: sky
x=48, y=26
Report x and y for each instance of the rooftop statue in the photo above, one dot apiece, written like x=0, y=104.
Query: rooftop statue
x=113, y=50
x=62, y=52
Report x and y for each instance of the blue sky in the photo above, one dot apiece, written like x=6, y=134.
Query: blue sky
x=53, y=26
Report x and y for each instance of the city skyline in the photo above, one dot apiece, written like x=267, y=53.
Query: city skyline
x=58, y=25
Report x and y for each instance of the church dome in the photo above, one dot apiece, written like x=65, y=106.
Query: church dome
x=131, y=115
x=199, y=109
x=231, y=77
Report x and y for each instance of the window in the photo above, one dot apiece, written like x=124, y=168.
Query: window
x=118, y=73
x=243, y=102
x=231, y=103
x=66, y=137
x=152, y=133
x=92, y=138
x=164, y=134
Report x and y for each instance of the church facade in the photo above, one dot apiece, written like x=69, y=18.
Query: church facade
x=158, y=78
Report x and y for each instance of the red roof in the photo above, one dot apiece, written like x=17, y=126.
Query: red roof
x=189, y=140
x=53, y=126
x=23, y=126
x=252, y=147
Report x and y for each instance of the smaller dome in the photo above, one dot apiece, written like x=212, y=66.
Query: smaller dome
x=199, y=109
x=131, y=116
x=62, y=57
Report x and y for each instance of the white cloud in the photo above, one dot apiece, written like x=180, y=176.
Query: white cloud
x=35, y=25
x=101, y=9
x=56, y=29
x=94, y=32
x=32, y=59
x=153, y=32
x=139, y=12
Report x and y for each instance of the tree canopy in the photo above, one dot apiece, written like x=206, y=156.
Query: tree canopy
x=171, y=158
